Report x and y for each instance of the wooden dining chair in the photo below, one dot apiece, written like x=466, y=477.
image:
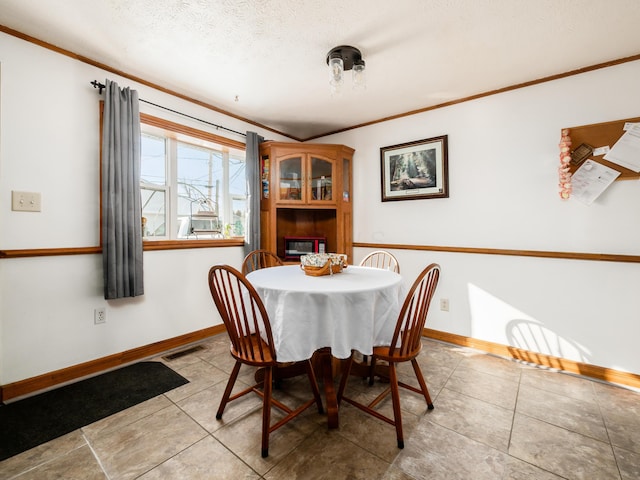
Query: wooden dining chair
x=247, y=324
x=405, y=346
x=381, y=259
x=386, y=261
x=259, y=259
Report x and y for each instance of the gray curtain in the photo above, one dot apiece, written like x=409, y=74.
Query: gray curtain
x=254, y=190
x=121, y=203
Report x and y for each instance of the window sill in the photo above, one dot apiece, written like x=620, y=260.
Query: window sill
x=149, y=245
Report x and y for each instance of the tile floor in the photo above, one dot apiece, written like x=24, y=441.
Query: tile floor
x=493, y=419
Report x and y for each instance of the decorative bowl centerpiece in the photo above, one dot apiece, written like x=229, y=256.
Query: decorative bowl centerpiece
x=318, y=264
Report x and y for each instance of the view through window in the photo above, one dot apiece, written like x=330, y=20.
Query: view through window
x=192, y=183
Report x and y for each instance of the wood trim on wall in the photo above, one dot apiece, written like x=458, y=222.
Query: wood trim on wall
x=50, y=252
x=571, y=366
x=147, y=246
x=52, y=379
x=509, y=88
x=181, y=244
x=602, y=257
x=142, y=81
x=173, y=128
x=81, y=58
x=75, y=372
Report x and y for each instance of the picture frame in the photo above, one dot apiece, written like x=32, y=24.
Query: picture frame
x=415, y=170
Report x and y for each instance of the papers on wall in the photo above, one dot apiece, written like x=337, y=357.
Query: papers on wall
x=590, y=180
x=600, y=151
x=626, y=151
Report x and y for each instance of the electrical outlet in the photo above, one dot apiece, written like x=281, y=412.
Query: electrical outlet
x=100, y=315
x=444, y=304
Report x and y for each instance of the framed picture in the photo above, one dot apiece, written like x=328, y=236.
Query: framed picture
x=415, y=170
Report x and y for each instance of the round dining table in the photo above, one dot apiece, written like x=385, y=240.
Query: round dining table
x=329, y=315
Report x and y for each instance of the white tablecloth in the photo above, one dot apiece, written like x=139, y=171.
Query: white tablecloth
x=356, y=309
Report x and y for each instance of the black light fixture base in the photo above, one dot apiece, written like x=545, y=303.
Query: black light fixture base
x=350, y=56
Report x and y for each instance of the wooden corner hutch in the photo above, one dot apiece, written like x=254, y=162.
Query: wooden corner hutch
x=306, y=192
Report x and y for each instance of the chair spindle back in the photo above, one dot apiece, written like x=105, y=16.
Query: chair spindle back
x=381, y=259
x=258, y=259
x=413, y=315
x=243, y=313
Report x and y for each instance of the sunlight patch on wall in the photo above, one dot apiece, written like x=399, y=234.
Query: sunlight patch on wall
x=496, y=320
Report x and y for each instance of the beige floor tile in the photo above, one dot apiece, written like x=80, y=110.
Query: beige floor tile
x=207, y=459
x=218, y=342
x=410, y=401
x=219, y=356
x=203, y=406
x=225, y=362
x=561, y=451
x=394, y=473
x=493, y=365
x=126, y=417
x=41, y=454
x=438, y=453
x=243, y=437
x=441, y=354
x=621, y=410
x=480, y=421
x=498, y=390
x=327, y=455
x=222, y=360
x=139, y=447
x=373, y=434
x=362, y=392
x=560, y=383
x=78, y=464
x=613, y=396
x=623, y=428
x=563, y=426
x=579, y=416
x=516, y=469
x=201, y=375
x=629, y=463
x=436, y=377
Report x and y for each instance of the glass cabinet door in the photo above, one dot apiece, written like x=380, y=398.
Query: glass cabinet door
x=346, y=180
x=290, y=181
x=321, y=180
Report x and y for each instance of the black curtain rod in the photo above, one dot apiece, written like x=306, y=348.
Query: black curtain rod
x=101, y=87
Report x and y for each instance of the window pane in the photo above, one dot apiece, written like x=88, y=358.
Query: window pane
x=237, y=179
x=193, y=187
x=199, y=172
x=153, y=158
x=239, y=209
x=153, y=210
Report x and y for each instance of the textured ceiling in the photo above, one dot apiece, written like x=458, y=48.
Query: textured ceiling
x=264, y=60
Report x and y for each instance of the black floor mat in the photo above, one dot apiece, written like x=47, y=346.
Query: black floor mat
x=35, y=420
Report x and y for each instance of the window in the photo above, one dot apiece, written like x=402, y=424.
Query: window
x=192, y=183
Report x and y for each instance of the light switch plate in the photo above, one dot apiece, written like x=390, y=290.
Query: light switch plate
x=25, y=201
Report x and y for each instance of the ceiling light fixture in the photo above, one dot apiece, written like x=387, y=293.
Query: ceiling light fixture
x=341, y=59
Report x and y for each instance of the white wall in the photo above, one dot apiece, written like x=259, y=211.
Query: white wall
x=49, y=143
x=503, y=159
